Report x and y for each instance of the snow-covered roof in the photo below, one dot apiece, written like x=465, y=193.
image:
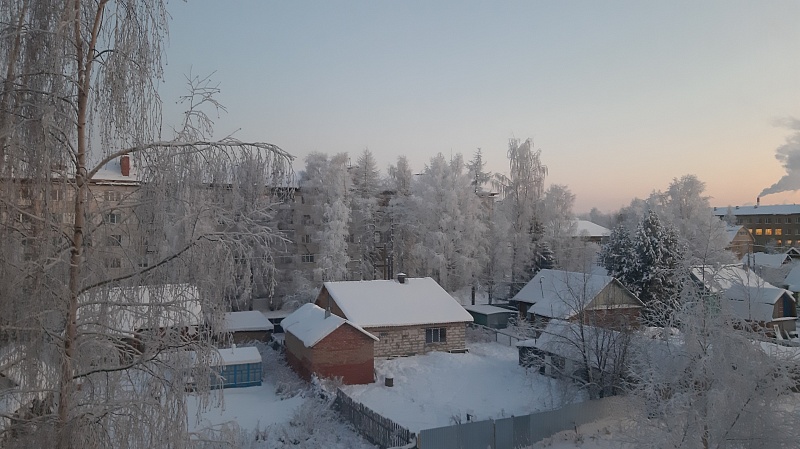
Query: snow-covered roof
x=565, y=339
x=749, y=296
x=560, y=294
x=310, y=325
x=777, y=209
x=252, y=320
x=732, y=231
x=126, y=310
x=486, y=309
x=792, y=280
x=766, y=260
x=585, y=228
x=390, y=303
x=238, y=356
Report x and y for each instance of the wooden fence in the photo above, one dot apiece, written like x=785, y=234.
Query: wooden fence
x=375, y=428
x=502, y=336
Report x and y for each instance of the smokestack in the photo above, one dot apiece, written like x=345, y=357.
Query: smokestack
x=758, y=201
x=401, y=278
x=125, y=165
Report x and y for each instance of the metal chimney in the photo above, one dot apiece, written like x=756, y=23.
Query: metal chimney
x=401, y=278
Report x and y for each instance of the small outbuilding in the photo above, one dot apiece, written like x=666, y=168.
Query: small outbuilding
x=247, y=326
x=236, y=368
x=329, y=346
x=490, y=316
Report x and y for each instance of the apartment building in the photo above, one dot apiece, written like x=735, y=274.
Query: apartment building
x=772, y=226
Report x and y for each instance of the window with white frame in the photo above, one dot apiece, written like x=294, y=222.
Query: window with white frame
x=435, y=335
x=307, y=258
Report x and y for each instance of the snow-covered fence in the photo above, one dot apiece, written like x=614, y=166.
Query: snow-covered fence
x=518, y=431
x=501, y=336
x=375, y=428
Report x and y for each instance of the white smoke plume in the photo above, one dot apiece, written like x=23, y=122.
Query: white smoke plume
x=789, y=156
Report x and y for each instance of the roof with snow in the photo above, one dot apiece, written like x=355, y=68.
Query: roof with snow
x=310, y=325
x=732, y=231
x=561, y=294
x=792, y=280
x=238, y=356
x=252, y=320
x=749, y=296
x=585, y=228
x=565, y=339
x=389, y=303
x=766, y=260
x=487, y=309
x=126, y=310
x=778, y=209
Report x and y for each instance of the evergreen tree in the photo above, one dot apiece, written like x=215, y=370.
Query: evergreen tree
x=658, y=256
x=618, y=257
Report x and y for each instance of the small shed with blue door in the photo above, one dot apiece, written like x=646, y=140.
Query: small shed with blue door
x=490, y=316
x=237, y=367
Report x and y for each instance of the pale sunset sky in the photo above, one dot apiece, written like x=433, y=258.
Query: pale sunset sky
x=620, y=96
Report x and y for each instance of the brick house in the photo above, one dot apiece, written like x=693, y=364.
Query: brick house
x=598, y=300
x=408, y=315
x=329, y=346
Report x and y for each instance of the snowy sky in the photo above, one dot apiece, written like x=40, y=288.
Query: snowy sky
x=620, y=96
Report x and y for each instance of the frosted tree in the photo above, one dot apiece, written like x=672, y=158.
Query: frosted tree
x=477, y=170
x=711, y=385
x=658, y=268
x=618, y=257
x=78, y=94
x=449, y=233
x=688, y=210
x=366, y=213
x=522, y=192
x=498, y=253
x=558, y=222
x=401, y=224
x=326, y=183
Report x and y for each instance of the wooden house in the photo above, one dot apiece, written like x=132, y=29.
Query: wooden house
x=408, y=315
x=328, y=346
x=247, y=326
x=593, y=298
x=740, y=241
x=750, y=298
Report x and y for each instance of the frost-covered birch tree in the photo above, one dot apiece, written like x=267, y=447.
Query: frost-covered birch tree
x=78, y=94
x=327, y=184
x=521, y=193
x=449, y=243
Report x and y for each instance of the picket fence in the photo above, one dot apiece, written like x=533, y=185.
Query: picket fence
x=375, y=428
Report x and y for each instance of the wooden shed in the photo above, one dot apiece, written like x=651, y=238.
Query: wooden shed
x=236, y=368
x=320, y=343
x=247, y=326
x=490, y=316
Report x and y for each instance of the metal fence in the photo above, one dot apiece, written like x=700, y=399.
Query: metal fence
x=505, y=337
x=375, y=428
x=516, y=432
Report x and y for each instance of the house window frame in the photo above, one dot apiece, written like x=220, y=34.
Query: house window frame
x=435, y=335
x=307, y=258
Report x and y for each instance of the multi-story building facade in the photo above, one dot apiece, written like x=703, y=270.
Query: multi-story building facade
x=772, y=226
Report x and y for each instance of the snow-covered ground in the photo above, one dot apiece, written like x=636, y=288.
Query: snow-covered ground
x=283, y=412
x=438, y=389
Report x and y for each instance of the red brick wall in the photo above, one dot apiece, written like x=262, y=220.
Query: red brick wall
x=345, y=352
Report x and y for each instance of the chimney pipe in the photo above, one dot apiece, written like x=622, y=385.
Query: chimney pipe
x=401, y=278
x=125, y=165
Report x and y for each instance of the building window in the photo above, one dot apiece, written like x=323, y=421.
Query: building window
x=779, y=243
x=767, y=220
x=789, y=243
x=759, y=231
x=114, y=240
x=758, y=220
x=112, y=195
x=306, y=220
x=376, y=237
x=113, y=262
x=112, y=218
x=306, y=238
x=797, y=219
x=56, y=195
x=768, y=231
x=436, y=335
x=779, y=231
x=307, y=258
